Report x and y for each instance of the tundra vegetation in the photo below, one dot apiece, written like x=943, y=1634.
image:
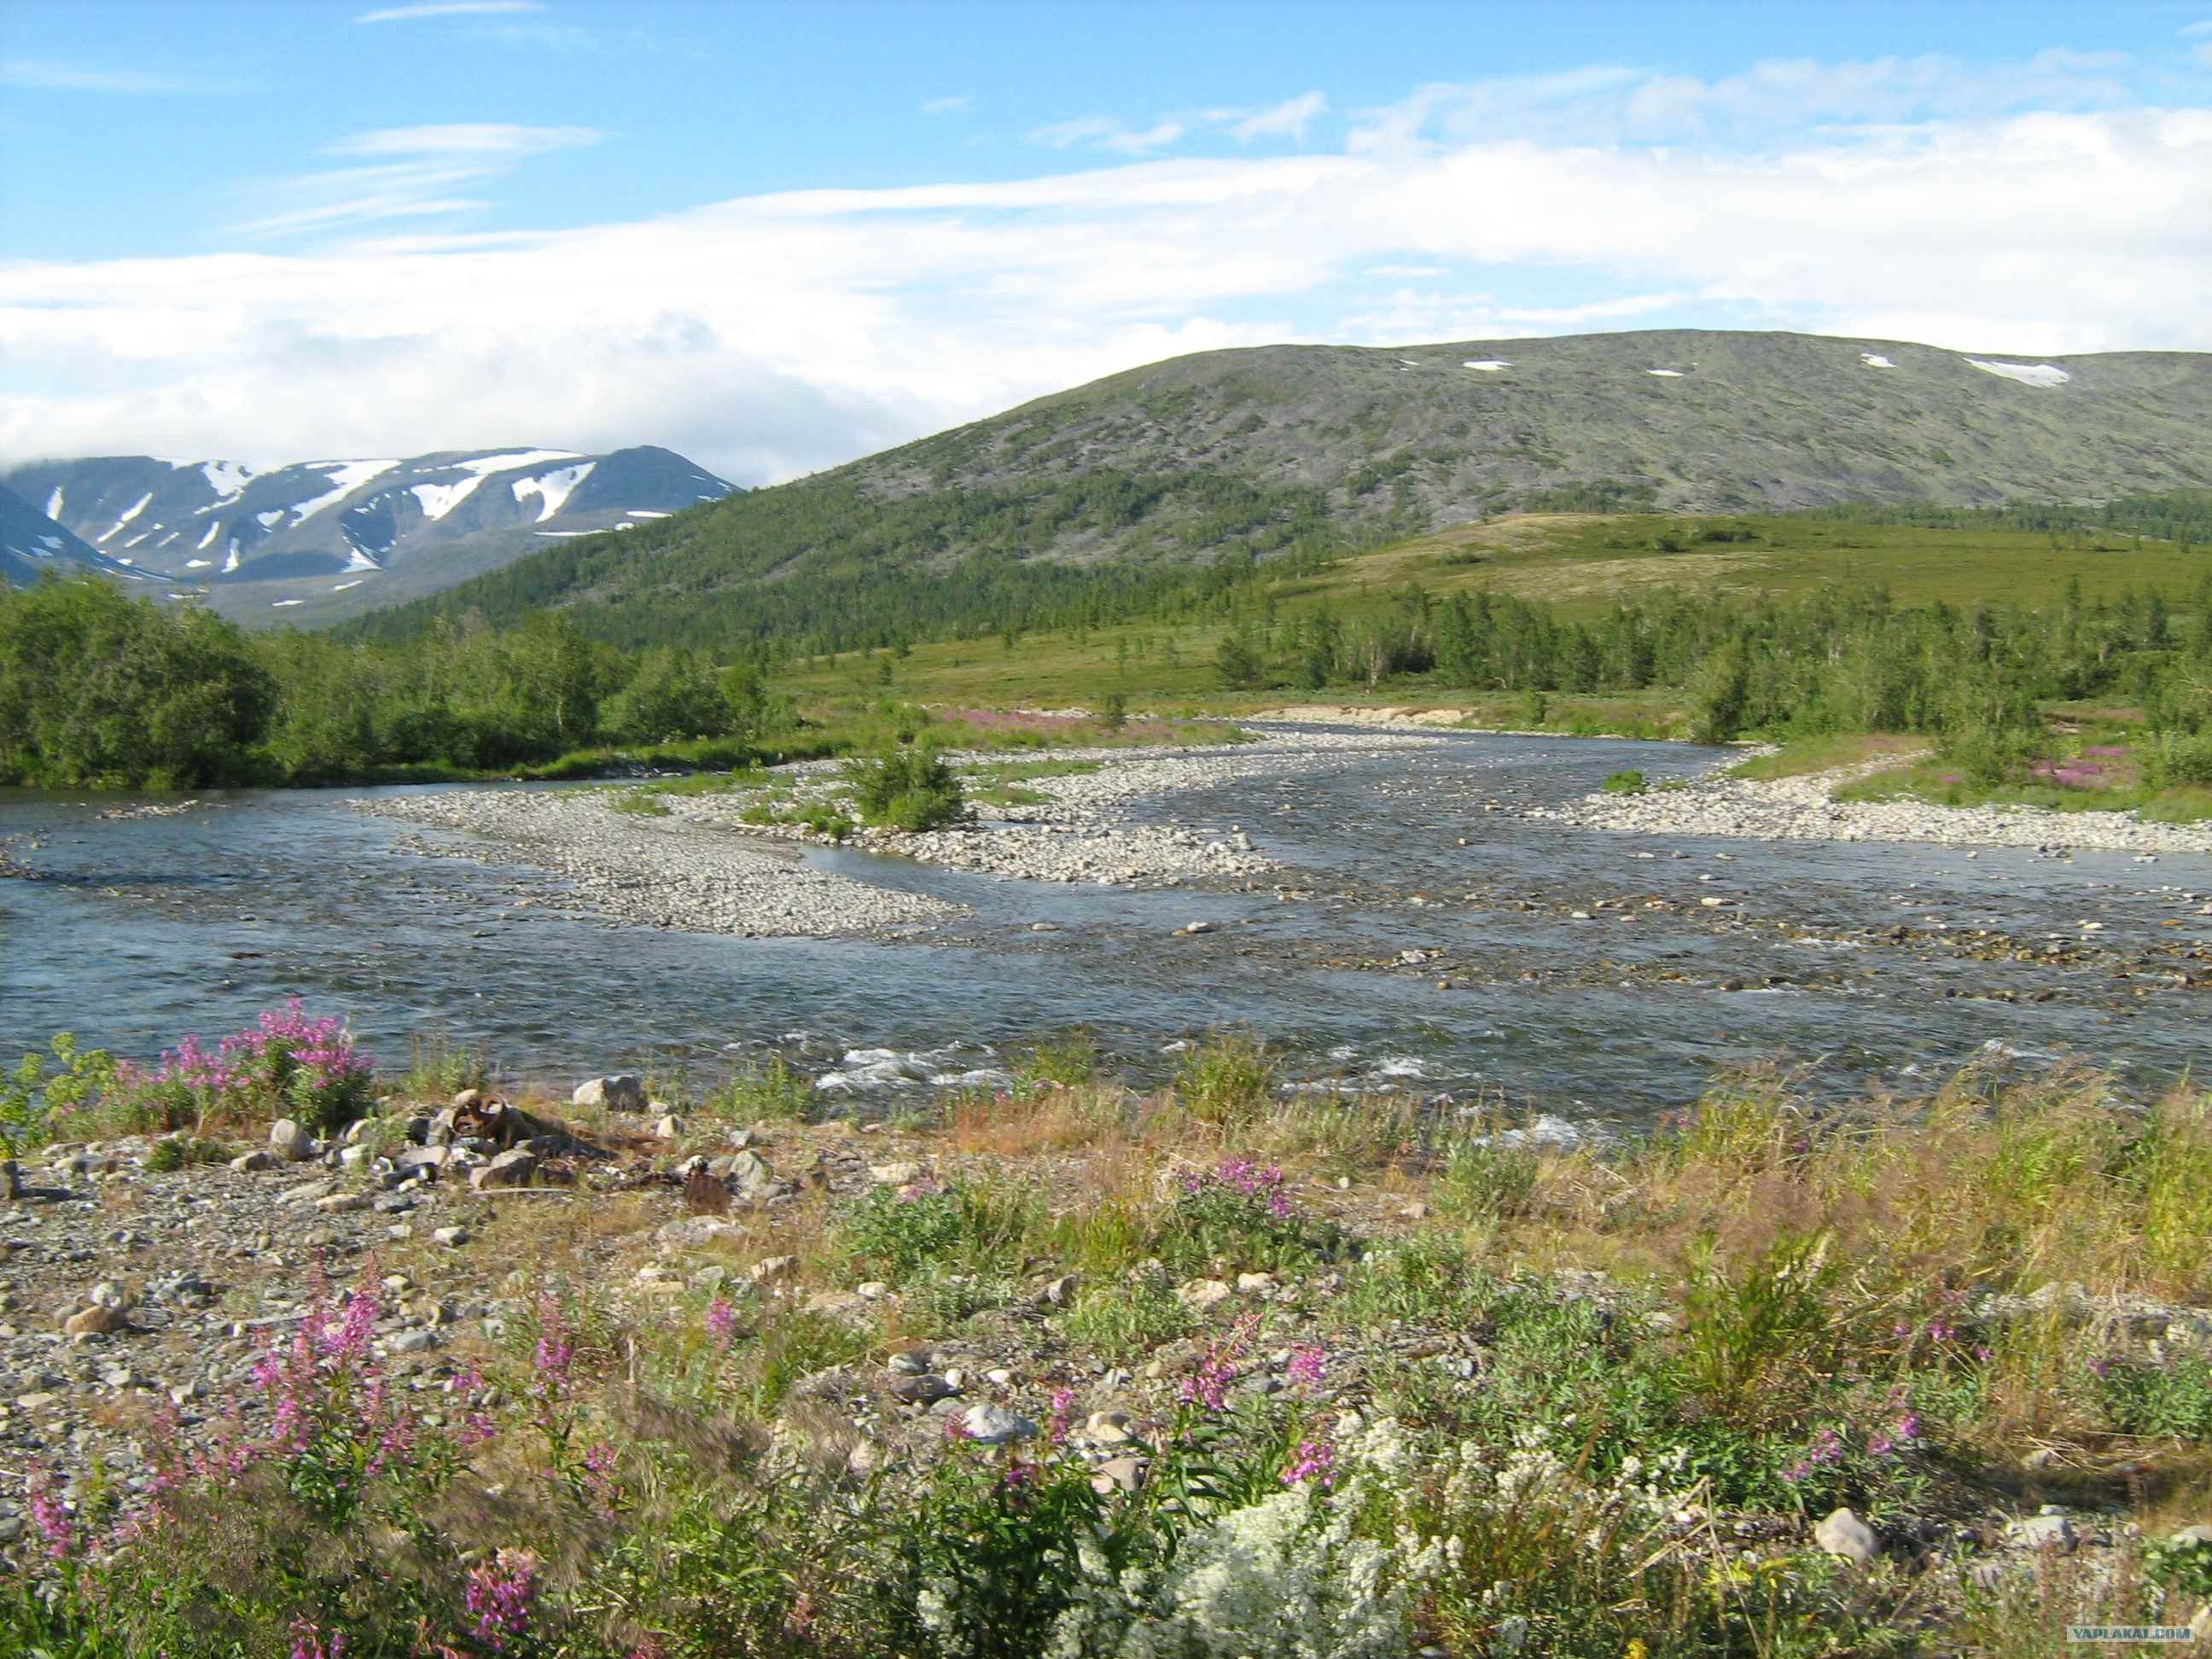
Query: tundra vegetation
x=1241, y=1371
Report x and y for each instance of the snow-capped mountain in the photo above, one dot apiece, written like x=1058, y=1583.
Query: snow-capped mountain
x=325, y=538
x=31, y=544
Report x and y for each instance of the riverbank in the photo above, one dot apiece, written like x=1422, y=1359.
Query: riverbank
x=1805, y=808
x=671, y=1374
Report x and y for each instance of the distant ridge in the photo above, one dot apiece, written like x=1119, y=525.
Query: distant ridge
x=321, y=539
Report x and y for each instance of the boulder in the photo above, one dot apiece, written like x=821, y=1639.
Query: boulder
x=1843, y=1534
x=624, y=1092
x=924, y=1391
x=290, y=1142
x=1120, y=1475
x=2045, y=1532
x=993, y=1426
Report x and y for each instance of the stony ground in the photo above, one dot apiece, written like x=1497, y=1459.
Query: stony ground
x=1804, y=809
x=136, y=1301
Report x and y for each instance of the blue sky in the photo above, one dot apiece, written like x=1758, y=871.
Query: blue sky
x=778, y=236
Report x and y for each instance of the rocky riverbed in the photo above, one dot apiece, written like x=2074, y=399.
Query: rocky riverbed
x=1804, y=809
x=707, y=864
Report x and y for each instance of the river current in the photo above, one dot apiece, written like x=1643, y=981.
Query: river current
x=1847, y=958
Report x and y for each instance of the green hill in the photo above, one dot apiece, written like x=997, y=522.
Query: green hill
x=1152, y=486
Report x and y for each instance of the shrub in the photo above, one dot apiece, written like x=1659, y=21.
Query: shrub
x=2178, y=758
x=1240, y=1213
x=1624, y=783
x=907, y=789
x=771, y=1090
x=2169, y=1398
x=1226, y=1082
x=903, y=1233
x=33, y=1097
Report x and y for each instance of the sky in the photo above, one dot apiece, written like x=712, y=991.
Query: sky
x=777, y=237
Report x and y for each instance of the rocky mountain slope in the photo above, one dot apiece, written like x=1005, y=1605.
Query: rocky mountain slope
x=32, y=544
x=1690, y=420
x=323, y=538
x=1251, y=450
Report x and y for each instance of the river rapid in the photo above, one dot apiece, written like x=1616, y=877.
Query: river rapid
x=1418, y=932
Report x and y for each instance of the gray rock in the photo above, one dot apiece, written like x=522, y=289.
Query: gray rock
x=2045, y=1532
x=412, y=1342
x=2196, y=1534
x=623, y=1091
x=749, y=1177
x=290, y=1142
x=1120, y=1475
x=1843, y=1534
x=926, y=1390
x=993, y=1426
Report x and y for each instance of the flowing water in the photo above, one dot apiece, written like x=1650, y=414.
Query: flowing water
x=137, y=930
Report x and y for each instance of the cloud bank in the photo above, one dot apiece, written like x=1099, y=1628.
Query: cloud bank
x=773, y=335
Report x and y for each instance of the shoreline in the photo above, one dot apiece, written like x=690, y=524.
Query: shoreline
x=1802, y=809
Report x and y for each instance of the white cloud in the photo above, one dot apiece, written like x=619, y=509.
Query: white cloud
x=1288, y=120
x=1406, y=272
x=40, y=75
x=2192, y=30
x=1104, y=132
x=482, y=139
x=774, y=335
x=416, y=173
x=958, y=105
x=445, y=8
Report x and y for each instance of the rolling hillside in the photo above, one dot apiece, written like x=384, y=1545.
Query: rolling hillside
x=1266, y=451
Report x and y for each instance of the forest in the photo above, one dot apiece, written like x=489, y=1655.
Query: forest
x=105, y=691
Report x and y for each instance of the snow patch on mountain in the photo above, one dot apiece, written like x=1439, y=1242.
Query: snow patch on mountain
x=437, y=499
x=126, y=518
x=357, y=560
x=512, y=460
x=54, y=504
x=230, y=561
x=346, y=477
x=2042, y=375
x=213, y=525
x=228, y=479
x=553, y=488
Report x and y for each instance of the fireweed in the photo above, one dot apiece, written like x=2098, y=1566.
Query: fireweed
x=285, y=1064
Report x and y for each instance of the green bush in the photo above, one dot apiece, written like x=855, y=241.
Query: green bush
x=2178, y=758
x=1624, y=783
x=1226, y=1082
x=907, y=789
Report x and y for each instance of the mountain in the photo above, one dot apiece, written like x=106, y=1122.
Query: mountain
x=321, y=539
x=1255, y=450
x=31, y=544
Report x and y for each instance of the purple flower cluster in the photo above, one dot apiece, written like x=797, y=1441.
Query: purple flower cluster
x=52, y=1517
x=1314, y=1460
x=1208, y=1386
x=1827, y=1448
x=308, y=1641
x=500, y=1597
x=1305, y=1367
x=282, y=1052
x=1248, y=1178
x=721, y=1323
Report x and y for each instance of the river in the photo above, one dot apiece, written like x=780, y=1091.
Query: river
x=1852, y=959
